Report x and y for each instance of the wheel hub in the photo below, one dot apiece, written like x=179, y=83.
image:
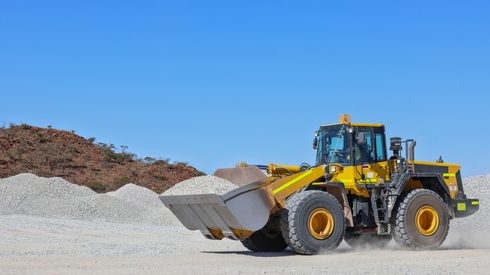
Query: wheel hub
x=427, y=220
x=320, y=223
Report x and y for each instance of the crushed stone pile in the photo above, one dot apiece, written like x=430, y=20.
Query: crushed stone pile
x=477, y=187
x=144, y=197
x=201, y=185
x=472, y=231
x=28, y=194
x=137, y=194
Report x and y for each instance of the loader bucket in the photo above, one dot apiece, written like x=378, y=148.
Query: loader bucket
x=234, y=215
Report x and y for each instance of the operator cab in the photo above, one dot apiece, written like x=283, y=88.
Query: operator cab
x=350, y=144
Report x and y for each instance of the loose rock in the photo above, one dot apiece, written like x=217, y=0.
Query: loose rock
x=201, y=185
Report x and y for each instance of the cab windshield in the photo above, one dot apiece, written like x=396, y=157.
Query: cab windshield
x=333, y=145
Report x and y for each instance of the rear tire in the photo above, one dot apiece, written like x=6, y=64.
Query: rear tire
x=312, y=221
x=366, y=240
x=420, y=220
x=267, y=239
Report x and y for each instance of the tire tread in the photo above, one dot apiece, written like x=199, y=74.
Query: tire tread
x=398, y=223
x=288, y=228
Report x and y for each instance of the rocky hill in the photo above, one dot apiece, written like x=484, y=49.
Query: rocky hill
x=49, y=152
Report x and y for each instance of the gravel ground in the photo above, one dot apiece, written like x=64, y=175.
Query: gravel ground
x=32, y=245
x=35, y=236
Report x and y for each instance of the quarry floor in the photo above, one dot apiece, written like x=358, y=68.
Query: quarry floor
x=32, y=245
x=238, y=262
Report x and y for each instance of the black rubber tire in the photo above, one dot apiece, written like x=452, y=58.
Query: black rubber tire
x=294, y=224
x=366, y=240
x=268, y=239
x=404, y=230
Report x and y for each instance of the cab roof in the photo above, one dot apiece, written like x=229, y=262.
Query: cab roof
x=356, y=124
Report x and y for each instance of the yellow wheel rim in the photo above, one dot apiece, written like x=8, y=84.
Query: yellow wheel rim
x=427, y=220
x=320, y=223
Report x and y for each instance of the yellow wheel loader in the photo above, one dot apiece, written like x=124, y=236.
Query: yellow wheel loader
x=354, y=192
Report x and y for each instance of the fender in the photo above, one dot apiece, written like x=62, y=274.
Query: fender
x=337, y=189
x=429, y=181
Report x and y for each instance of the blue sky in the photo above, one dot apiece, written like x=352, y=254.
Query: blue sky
x=216, y=82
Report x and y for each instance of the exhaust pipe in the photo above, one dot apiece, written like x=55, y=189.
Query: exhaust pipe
x=411, y=150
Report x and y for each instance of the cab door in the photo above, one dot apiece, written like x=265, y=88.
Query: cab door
x=380, y=166
x=369, y=154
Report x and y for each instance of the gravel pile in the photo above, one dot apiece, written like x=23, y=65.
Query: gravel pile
x=156, y=212
x=201, y=185
x=138, y=195
x=28, y=194
x=472, y=231
x=477, y=187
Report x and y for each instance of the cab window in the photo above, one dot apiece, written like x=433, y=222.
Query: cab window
x=380, y=147
x=363, y=149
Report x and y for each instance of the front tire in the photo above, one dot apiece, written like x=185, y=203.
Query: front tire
x=312, y=221
x=420, y=220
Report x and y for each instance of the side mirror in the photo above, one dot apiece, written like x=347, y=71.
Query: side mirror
x=361, y=138
x=315, y=141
